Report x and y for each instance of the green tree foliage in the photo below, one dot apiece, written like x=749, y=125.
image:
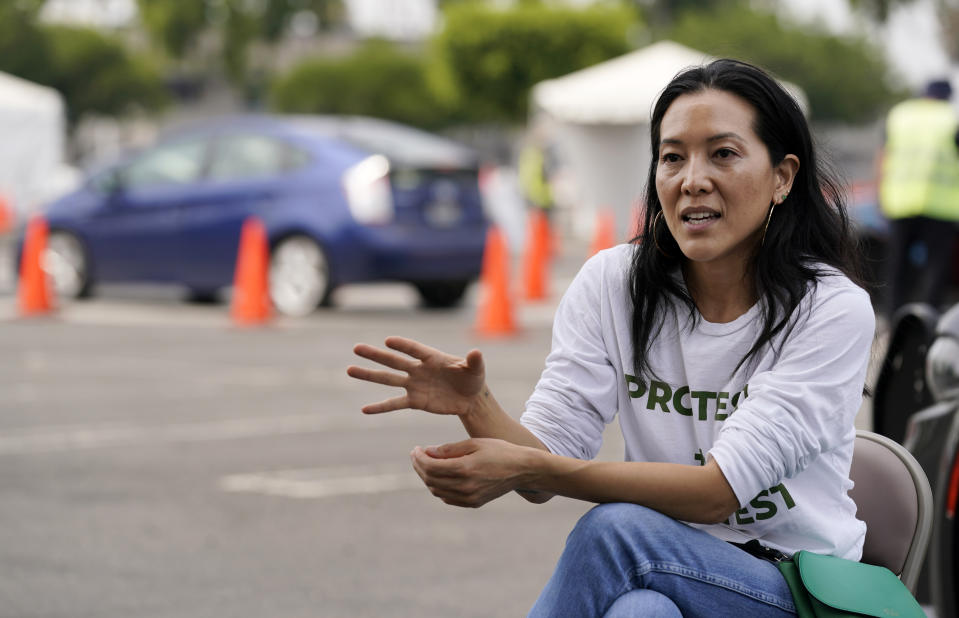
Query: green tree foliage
x=24, y=51
x=95, y=73
x=844, y=77
x=664, y=13
x=275, y=15
x=947, y=12
x=487, y=59
x=377, y=80
x=240, y=27
x=878, y=9
x=176, y=25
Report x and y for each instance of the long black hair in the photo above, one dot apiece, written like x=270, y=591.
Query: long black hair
x=809, y=229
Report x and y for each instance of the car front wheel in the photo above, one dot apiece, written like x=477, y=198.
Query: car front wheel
x=441, y=294
x=299, y=276
x=65, y=260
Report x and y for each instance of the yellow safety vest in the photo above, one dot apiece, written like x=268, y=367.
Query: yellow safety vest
x=920, y=170
x=532, y=177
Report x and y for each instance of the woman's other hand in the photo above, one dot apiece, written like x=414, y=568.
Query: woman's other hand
x=473, y=472
x=434, y=381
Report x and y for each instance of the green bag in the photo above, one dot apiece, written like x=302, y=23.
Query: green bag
x=827, y=587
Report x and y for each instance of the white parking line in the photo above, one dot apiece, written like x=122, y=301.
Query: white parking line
x=317, y=483
x=72, y=438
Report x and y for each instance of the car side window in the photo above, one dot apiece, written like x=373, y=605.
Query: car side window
x=253, y=156
x=175, y=163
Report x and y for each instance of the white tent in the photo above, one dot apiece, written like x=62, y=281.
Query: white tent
x=602, y=127
x=32, y=146
x=402, y=20
x=99, y=14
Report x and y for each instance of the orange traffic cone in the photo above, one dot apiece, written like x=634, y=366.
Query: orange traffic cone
x=555, y=239
x=604, y=236
x=251, y=290
x=6, y=215
x=34, y=296
x=495, y=316
x=536, y=257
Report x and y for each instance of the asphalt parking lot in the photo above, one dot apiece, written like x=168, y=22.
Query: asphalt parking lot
x=155, y=460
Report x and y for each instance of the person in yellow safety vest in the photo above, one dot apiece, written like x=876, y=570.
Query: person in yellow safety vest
x=919, y=195
x=534, y=176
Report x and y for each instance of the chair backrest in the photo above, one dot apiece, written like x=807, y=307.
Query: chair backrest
x=893, y=497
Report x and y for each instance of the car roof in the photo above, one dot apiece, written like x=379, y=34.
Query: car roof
x=403, y=145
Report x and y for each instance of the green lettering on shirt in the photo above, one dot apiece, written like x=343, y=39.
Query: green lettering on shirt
x=683, y=400
x=659, y=393
x=768, y=507
x=781, y=489
x=721, y=405
x=678, y=401
x=764, y=505
x=640, y=389
x=741, y=518
x=703, y=397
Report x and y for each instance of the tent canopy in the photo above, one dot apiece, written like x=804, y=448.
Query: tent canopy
x=33, y=126
x=20, y=94
x=624, y=89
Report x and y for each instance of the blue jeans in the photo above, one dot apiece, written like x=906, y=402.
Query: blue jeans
x=627, y=560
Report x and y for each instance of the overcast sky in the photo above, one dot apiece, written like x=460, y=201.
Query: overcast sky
x=912, y=37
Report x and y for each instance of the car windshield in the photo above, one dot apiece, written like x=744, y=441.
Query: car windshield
x=403, y=145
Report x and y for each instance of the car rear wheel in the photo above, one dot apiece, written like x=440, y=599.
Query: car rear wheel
x=65, y=260
x=203, y=296
x=299, y=276
x=441, y=294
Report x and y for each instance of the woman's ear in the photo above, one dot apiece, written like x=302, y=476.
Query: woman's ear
x=785, y=174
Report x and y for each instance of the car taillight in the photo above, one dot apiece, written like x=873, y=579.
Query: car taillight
x=953, y=491
x=367, y=188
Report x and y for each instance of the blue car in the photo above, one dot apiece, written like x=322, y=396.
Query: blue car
x=343, y=200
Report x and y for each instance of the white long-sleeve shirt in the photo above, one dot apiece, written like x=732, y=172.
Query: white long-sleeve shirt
x=780, y=428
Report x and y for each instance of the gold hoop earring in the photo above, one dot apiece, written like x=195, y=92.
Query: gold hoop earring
x=766, y=227
x=659, y=215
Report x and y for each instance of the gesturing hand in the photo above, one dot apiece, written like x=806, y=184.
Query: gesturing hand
x=434, y=381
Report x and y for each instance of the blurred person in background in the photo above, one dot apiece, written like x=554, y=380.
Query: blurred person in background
x=534, y=170
x=919, y=195
x=732, y=342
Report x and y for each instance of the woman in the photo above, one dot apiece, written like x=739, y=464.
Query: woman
x=732, y=343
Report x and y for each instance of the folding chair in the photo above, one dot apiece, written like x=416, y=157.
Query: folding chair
x=893, y=497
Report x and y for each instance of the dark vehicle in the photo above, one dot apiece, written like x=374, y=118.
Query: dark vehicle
x=917, y=403
x=872, y=230
x=343, y=200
